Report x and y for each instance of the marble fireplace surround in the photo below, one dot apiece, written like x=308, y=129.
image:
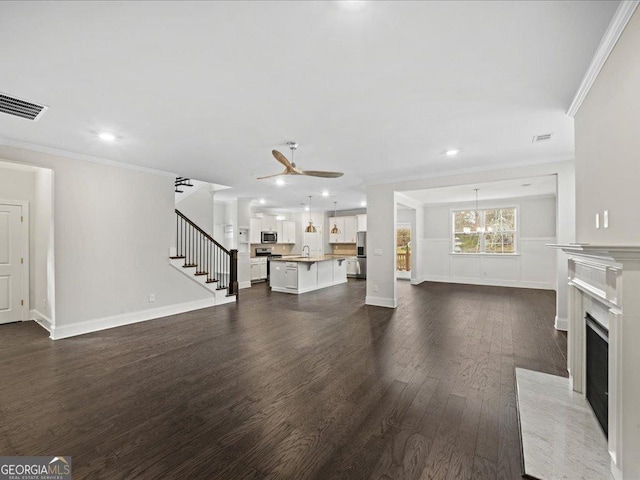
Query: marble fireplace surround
x=605, y=281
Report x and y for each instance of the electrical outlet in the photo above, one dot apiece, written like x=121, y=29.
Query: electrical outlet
x=375, y=288
x=605, y=219
x=44, y=303
x=377, y=252
x=152, y=297
x=597, y=220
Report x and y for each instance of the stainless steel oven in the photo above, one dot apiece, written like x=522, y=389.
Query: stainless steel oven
x=268, y=237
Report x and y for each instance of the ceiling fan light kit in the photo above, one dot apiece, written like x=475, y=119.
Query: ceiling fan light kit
x=290, y=167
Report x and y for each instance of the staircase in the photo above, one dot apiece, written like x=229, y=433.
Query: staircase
x=205, y=261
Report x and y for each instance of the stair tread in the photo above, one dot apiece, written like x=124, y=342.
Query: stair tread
x=177, y=258
x=212, y=281
x=201, y=273
x=189, y=265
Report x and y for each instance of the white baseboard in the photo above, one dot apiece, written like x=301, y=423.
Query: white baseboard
x=489, y=282
x=244, y=284
x=41, y=319
x=381, y=301
x=562, y=324
x=81, y=328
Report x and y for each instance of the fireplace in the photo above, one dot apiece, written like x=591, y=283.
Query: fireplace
x=604, y=280
x=597, y=359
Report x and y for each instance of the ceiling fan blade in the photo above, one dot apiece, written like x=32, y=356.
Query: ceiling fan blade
x=282, y=159
x=316, y=173
x=271, y=176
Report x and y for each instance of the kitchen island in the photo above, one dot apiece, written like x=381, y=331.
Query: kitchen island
x=306, y=274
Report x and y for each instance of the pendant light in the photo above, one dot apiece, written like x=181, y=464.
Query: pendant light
x=310, y=228
x=479, y=229
x=335, y=230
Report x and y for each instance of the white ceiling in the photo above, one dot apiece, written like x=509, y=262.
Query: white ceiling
x=522, y=187
x=378, y=90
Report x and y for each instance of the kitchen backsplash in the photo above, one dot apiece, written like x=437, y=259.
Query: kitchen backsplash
x=344, y=249
x=279, y=248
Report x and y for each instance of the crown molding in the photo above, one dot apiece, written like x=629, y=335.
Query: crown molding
x=614, y=30
x=80, y=156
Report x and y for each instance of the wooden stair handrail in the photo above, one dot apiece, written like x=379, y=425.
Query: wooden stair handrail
x=181, y=215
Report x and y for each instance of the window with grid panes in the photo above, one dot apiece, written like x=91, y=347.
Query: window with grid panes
x=491, y=230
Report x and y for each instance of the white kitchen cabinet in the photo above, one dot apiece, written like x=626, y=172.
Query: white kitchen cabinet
x=279, y=232
x=255, y=228
x=291, y=276
x=305, y=275
x=336, y=237
x=263, y=270
x=269, y=223
x=288, y=232
x=255, y=272
x=348, y=227
x=258, y=269
x=362, y=222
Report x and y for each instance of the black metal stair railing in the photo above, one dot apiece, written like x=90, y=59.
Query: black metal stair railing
x=210, y=258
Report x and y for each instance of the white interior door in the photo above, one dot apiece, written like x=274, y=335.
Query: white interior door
x=10, y=264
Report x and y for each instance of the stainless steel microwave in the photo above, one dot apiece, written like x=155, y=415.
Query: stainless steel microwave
x=269, y=237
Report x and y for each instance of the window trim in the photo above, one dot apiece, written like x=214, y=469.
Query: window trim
x=516, y=233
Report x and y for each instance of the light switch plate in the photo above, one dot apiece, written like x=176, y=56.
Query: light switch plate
x=377, y=251
x=605, y=219
x=597, y=220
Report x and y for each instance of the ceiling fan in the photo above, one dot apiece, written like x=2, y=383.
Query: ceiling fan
x=290, y=168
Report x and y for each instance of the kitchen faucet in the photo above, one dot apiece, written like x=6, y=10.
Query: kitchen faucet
x=308, y=254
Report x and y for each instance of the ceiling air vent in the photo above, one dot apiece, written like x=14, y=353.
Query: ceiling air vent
x=20, y=108
x=542, y=138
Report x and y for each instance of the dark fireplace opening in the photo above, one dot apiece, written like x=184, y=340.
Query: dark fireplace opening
x=598, y=371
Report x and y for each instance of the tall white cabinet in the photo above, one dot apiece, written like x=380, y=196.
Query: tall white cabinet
x=348, y=227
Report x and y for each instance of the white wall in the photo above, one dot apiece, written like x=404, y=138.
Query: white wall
x=533, y=267
x=243, y=211
x=381, y=222
x=43, y=261
x=113, y=229
x=607, y=146
x=198, y=207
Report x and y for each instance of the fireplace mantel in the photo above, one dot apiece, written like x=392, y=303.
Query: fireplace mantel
x=605, y=280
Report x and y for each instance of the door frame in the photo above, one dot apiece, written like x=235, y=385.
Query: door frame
x=403, y=275
x=24, y=245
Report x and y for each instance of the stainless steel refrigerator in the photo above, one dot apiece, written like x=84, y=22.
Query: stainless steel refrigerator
x=361, y=251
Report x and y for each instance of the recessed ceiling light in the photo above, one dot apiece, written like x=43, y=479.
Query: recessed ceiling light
x=452, y=152
x=363, y=203
x=306, y=209
x=107, y=136
x=353, y=5
x=325, y=193
x=262, y=201
x=280, y=182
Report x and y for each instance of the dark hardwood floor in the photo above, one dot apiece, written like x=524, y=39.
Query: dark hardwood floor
x=317, y=386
